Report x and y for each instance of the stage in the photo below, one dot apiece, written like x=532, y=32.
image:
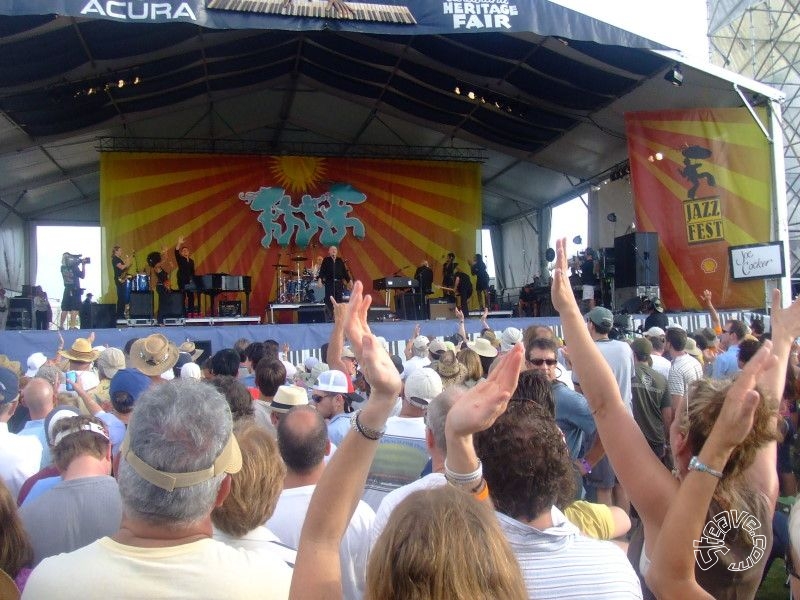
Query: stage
x=304, y=339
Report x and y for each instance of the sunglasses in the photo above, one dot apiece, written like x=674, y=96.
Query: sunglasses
x=538, y=362
x=319, y=399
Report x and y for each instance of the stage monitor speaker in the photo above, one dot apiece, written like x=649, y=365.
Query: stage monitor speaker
x=378, y=313
x=170, y=305
x=141, y=305
x=407, y=307
x=442, y=311
x=99, y=316
x=636, y=259
x=311, y=314
x=205, y=346
x=230, y=308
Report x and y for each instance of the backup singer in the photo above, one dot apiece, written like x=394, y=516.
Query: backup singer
x=120, y=266
x=449, y=275
x=333, y=274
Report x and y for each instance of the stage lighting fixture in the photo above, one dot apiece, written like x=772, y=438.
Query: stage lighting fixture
x=612, y=217
x=675, y=75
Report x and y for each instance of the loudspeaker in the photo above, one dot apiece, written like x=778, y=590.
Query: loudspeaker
x=141, y=305
x=230, y=308
x=205, y=346
x=378, y=313
x=636, y=259
x=442, y=311
x=311, y=314
x=170, y=305
x=407, y=307
x=100, y=316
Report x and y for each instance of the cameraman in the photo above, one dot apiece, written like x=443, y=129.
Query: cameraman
x=72, y=271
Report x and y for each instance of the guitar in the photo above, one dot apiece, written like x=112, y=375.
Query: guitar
x=446, y=289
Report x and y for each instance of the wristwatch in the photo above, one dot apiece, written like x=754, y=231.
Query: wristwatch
x=696, y=465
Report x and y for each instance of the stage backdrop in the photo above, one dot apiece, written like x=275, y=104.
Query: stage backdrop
x=243, y=214
x=711, y=189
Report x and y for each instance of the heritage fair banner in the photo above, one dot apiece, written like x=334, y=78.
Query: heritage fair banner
x=702, y=179
x=242, y=215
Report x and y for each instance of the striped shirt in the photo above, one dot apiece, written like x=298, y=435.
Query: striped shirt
x=559, y=562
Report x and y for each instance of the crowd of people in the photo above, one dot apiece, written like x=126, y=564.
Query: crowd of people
x=514, y=465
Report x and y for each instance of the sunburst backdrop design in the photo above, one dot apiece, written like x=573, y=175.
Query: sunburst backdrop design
x=414, y=211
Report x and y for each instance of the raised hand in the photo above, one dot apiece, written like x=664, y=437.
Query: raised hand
x=784, y=322
x=379, y=370
x=705, y=298
x=339, y=310
x=478, y=408
x=561, y=290
x=735, y=419
x=355, y=318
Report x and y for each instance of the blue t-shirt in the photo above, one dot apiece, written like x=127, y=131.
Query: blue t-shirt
x=574, y=418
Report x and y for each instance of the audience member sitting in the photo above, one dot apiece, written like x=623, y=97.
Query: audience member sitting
x=173, y=471
x=240, y=521
x=85, y=505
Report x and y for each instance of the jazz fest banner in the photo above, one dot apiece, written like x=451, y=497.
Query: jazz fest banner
x=242, y=215
x=702, y=179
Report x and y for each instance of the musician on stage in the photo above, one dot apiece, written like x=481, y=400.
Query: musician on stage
x=424, y=275
x=120, y=266
x=463, y=287
x=185, y=275
x=333, y=274
x=449, y=275
x=73, y=269
x=589, y=280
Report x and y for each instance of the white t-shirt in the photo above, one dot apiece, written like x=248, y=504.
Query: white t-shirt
x=205, y=569
x=260, y=539
x=287, y=523
x=20, y=457
x=661, y=365
x=395, y=497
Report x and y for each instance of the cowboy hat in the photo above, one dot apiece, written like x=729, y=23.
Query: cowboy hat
x=483, y=347
x=153, y=355
x=189, y=348
x=81, y=351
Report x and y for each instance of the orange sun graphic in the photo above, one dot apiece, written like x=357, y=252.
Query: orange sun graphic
x=298, y=173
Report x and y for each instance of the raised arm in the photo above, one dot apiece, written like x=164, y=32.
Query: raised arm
x=705, y=299
x=336, y=341
x=462, y=331
x=317, y=572
x=672, y=573
x=647, y=481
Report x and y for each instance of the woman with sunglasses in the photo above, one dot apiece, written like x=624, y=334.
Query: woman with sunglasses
x=573, y=415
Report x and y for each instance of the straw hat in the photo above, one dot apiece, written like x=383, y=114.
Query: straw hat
x=81, y=351
x=153, y=355
x=450, y=369
x=483, y=347
x=189, y=348
x=287, y=397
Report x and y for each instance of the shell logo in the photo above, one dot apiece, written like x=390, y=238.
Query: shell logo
x=709, y=265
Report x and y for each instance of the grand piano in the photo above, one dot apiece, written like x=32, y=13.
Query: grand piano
x=213, y=284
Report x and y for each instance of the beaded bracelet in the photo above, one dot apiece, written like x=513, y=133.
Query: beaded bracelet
x=367, y=432
x=463, y=479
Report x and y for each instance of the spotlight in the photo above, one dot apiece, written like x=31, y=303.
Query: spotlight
x=659, y=156
x=137, y=80
x=121, y=83
x=457, y=90
x=471, y=95
x=675, y=76
x=612, y=217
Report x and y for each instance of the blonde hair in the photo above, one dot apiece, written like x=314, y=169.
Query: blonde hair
x=470, y=359
x=442, y=543
x=256, y=488
x=15, y=547
x=706, y=397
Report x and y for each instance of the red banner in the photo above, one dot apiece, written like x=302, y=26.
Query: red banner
x=244, y=214
x=702, y=180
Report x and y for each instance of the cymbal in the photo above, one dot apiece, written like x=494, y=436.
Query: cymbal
x=280, y=266
x=299, y=258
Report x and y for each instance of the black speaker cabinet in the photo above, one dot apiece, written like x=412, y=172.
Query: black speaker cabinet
x=636, y=259
x=230, y=308
x=407, y=307
x=170, y=305
x=98, y=316
x=311, y=314
x=141, y=306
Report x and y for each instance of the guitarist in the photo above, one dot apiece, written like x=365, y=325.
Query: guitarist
x=120, y=266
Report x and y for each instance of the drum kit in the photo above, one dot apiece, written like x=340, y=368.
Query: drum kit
x=296, y=286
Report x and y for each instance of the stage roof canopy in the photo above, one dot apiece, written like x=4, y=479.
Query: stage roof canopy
x=542, y=105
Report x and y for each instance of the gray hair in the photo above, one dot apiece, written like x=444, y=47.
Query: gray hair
x=179, y=426
x=52, y=374
x=436, y=415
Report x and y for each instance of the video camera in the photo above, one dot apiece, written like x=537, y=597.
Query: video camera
x=73, y=260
